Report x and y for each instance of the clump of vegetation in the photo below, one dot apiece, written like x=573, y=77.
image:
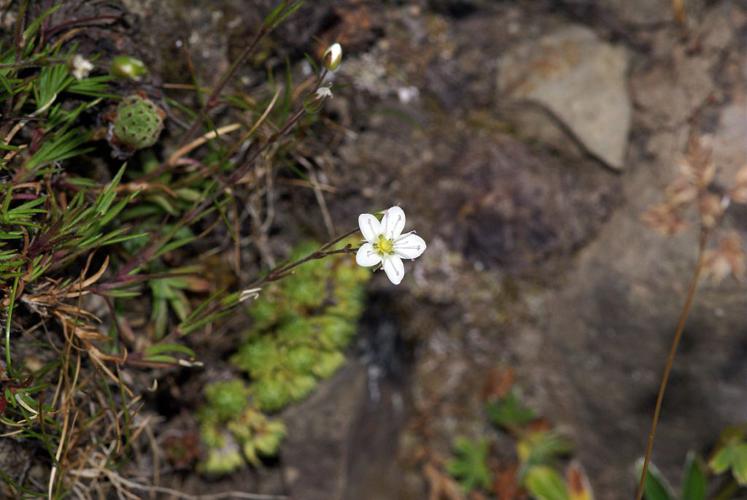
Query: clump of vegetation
x=731, y=455
x=105, y=279
x=232, y=427
x=539, y=469
x=301, y=326
x=724, y=476
x=470, y=464
x=694, y=482
x=539, y=454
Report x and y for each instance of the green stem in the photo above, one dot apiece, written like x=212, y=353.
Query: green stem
x=8, y=321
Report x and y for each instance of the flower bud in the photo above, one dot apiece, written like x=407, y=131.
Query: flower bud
x=128, y=67
x=332, y=57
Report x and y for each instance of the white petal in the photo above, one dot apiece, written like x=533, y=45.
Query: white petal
x=393, y=222
x=369, y=226
x=394, y=269
x=367, y=256
x=409, y=246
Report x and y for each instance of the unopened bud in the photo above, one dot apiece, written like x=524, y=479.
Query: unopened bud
x=128, y=67
x=333, y=57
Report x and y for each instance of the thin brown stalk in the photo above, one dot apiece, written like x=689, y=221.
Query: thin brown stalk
x=670, y=358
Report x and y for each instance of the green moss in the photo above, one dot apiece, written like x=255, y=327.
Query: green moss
x=271, y=393
x=227, y=399
x=233, y=429
x=301, y=326
x=138, y=122
x=224, y=459
x=328, y=364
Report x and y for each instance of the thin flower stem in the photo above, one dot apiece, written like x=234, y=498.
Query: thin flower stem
x=8, y=321
x=282, y=270
x=704, y=234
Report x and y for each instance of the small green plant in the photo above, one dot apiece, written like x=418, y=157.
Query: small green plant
x=694, y=483
x=101, y=269
x=301, y=326
x=731, y=455
x=233, y=429
x=545, y=483
x=539, y=450
x=138, y=122
x=470, y=464
x=509, y=412
x=541, y=447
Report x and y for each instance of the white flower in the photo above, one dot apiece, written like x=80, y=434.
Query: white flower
x=386, y=245
x=407, y=94
x=323, y=93
x=332, y=57
x=81, y=67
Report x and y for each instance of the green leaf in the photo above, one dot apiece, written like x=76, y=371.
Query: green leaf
x=95, y=86
x=544, y=483
x=52, y=80
x=721, y=461
x=509, y=412
x=542, y=447
x=280, y=13
x=273, y=15
x=470, y=464
x=59, y=148
x=162, y=358
x=172, y=348
x=227, y=398
x=109, y=193
x=739, y=463
x=655, y=486
x=695, y=483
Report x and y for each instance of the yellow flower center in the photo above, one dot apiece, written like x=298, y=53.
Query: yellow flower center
x=383, y=245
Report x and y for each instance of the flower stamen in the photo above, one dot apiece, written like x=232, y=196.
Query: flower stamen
x=383, y=245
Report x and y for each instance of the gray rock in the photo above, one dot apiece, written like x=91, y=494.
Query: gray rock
x=579, y=79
